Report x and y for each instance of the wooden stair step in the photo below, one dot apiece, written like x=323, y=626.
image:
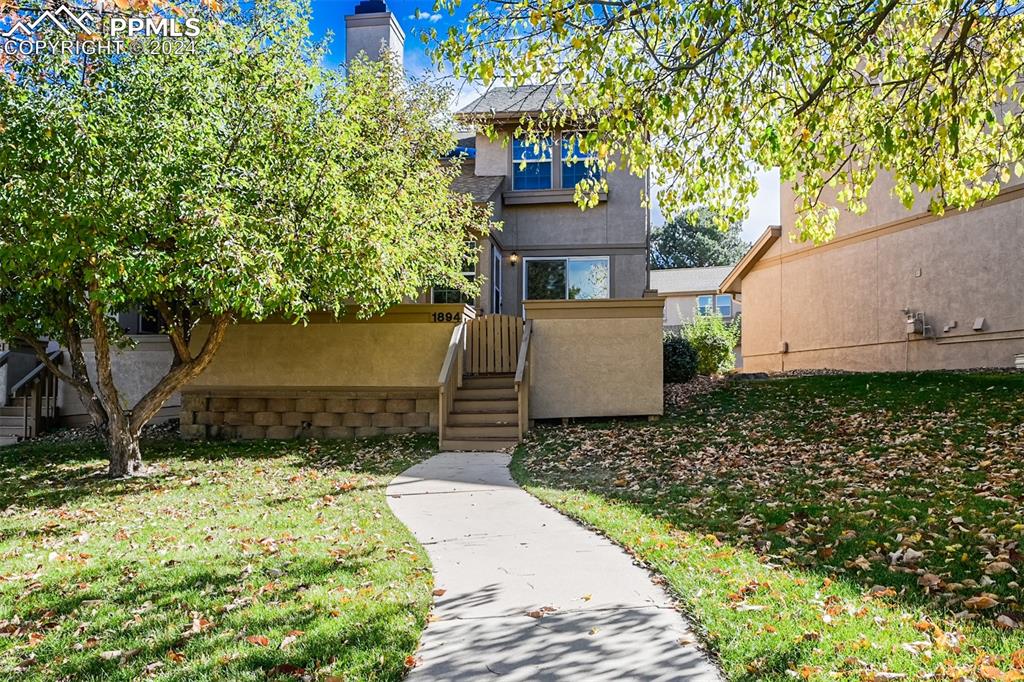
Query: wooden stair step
x=477, y=444
x=496, y=381
x=482, y=406
x=474, y=431
x=485, y=394
x=495, y=418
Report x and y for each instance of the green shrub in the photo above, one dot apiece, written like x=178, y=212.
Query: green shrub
x=713, y=340
x=680, y=359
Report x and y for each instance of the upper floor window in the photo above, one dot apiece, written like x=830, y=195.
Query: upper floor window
x=531, y=164
x=722, y=303
x=574, y=162
x=446, y=295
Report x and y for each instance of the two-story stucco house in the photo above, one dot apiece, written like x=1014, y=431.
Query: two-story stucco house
x=561, y=328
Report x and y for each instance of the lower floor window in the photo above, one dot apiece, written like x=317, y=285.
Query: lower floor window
x=443, y=295
x=447, y=295
x=581, y=277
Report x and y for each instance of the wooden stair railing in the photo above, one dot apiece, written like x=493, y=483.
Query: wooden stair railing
x=484, y=385
x=522, y=380
x=491, y=344
x=38, y=393
x=449, y=380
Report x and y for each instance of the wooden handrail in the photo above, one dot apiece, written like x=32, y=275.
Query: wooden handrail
x=523, y=380
x=524, y=349
x=451, y=356
x=451, y=373
x=29, y=378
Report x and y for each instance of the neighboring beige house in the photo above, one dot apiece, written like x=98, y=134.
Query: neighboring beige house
x=692, y=291
x=695, y=291
x=894, y=290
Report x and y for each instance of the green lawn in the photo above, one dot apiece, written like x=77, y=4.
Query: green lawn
x=236, y=561
x=852, y=528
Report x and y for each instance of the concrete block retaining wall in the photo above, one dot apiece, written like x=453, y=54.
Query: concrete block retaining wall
x=282, y=414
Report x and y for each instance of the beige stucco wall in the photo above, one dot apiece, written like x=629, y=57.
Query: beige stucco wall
x=136, y=370
x=595, y=358
x=840, y=305
x=405, y=348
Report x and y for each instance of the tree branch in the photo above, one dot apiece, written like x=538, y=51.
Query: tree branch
x=150, y=404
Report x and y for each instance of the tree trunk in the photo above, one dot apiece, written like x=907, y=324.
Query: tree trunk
x=125, y=454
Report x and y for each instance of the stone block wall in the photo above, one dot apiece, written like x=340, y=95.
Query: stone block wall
x=281, y=414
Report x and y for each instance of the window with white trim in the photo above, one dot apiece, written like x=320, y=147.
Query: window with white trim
x=708, y=303
x=531, y=164
x=577, y=165
x=447, y=295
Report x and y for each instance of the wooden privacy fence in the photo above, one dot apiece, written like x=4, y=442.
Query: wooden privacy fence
x=492, y=344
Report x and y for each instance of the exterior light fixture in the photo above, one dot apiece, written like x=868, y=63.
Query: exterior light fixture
x=513, y=258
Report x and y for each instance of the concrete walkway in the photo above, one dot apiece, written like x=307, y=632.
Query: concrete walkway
x=500, y=554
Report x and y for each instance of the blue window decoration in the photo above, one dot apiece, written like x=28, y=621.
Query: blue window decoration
x=574, y=166
x=531, y=164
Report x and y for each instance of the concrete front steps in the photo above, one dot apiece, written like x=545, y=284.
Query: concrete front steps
x=484, y=416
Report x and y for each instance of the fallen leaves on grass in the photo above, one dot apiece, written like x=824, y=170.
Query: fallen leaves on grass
x=921, y=489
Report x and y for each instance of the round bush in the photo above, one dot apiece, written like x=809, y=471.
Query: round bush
x=713, y=340
x=680, y=359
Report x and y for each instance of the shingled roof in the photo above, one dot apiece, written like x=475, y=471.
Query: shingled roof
x=480, y=187
x=689, y=280
x=508, y=102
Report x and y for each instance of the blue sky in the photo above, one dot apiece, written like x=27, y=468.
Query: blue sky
x=330, y=15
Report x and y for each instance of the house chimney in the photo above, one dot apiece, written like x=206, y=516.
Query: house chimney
x=372, y=29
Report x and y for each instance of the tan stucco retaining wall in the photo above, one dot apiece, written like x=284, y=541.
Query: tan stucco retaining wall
x=839, y=305
x=404, y=348
x=330, y=378
x=595, y=358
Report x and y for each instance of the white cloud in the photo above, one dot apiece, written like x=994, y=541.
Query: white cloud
x=425, y=16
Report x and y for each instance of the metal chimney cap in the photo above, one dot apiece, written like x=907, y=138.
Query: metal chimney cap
x=371, y=7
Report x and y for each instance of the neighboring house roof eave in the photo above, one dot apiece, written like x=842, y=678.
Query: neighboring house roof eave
x=689, y=280
x=734, y=281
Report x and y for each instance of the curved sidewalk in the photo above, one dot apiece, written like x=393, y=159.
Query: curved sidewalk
x=499, y=555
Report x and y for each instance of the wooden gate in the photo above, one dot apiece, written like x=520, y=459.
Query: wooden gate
x=492, y=344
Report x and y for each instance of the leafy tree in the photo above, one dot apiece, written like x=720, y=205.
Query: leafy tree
x=692, y=240
x=243, y=180
x=704, y=93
